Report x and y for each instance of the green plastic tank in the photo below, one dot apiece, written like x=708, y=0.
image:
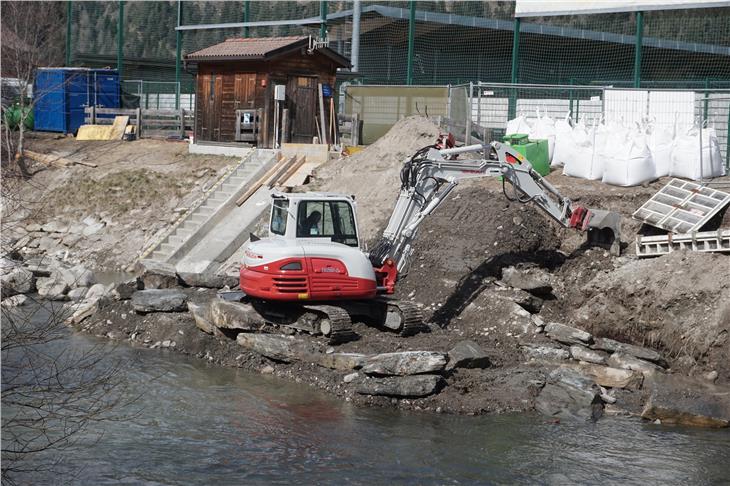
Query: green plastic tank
x=534, y=150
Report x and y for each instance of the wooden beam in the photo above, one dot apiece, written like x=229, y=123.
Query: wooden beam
x=262, y=180
x=292, y=170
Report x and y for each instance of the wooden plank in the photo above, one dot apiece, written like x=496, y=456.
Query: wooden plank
x=117, y=130
x=256, y=185
x=94, y=132
x=284, y=168
x=54, y=160
x=160, y=133
x=322, y=124
x=300, y=176
x=292, y=170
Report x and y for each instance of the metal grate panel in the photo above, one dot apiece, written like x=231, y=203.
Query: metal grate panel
x=706, y=241
x=682, y=206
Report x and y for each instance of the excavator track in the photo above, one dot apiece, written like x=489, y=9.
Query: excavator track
x=406, y=316
x=337, y=326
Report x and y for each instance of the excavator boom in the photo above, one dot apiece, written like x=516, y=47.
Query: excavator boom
x=431, y=174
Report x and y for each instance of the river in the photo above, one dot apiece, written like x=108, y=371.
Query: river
x=200, y=424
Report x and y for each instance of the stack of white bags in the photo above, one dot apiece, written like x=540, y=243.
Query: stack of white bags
x=623, y=154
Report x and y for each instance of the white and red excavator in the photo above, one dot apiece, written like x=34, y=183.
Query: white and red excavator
x=312, y=272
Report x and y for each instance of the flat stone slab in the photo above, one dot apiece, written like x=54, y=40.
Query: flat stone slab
x=235, y=315
x=681, y=400
x=159, y=300
x=627, y=362
x=277, y=347
x=401, y=386
x=404, y=363
x=545, y=353
x=640, y=352
x=581, y=353
x=568, y=393
x=342, y=361
x=208, y=280
x=567, y=335
x=201, y=316
x=467, y=354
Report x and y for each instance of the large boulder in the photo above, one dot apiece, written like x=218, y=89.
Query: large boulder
x=235, y=315
x=467, y=354
x=681, y=400
x=159, y=300
x=84, y=276
x=17, y=280
x=97, y=291
x=627, y=362
x=208, y=280
x=277, y=347
x=201, y=315
x=534, y=280
x=124, y=290
x=524, y=299
x=545, y=352
x=609, y=377
x=605, y=344
x=568, y=393
x=567, y=335
x=401, y=386
x=77, y=294
x=404, y=363
x=52, y=288
x=156, y=275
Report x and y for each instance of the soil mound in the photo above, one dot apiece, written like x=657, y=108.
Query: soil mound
x=373, y=175
x=679, y=302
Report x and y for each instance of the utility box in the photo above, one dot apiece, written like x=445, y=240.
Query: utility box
x=280, y=92
x=536, y=151
x=62, y=94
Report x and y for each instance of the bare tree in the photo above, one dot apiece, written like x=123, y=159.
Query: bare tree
x=33, y=36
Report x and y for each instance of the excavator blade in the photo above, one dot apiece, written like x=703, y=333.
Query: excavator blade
x=604, y=230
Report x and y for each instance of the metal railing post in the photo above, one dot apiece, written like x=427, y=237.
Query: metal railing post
x=120, y=39
x=637, y=48
x=178, y=53
x=411, y=41
x=69, y=12
x=512, y=110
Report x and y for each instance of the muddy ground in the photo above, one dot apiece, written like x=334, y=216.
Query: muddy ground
x=677, y=304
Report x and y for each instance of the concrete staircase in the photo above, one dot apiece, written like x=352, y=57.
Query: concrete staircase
x=213, y=211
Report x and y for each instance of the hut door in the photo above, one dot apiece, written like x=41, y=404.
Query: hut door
x=301, y=93
x=208, y=104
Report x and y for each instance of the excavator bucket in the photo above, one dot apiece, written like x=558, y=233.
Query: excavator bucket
x=604, y=230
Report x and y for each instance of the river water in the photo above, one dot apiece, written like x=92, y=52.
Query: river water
x=199, y=424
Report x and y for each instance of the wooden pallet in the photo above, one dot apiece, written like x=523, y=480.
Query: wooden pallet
x=704, y=241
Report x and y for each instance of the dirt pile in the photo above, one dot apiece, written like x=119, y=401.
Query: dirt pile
x=679, y=303
x=373, y=175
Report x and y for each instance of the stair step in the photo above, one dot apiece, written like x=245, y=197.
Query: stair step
x=176, y=241
x=183, y=232
x=158, y=255
x=196, y=219
x=231, y=186
x=167, y=248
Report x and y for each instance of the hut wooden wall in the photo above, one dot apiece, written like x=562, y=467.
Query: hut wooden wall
x=226, y=86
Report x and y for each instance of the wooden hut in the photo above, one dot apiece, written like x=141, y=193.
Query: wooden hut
x=236, y=82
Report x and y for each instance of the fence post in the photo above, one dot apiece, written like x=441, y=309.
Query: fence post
x=246, y=15
x=512, y=109
x=727, y=139
x=637, y=48
x=182, y=122
x=178, y=53
x=120, y=39
x=322, y=19
x=467, y=127
x=139, y=123
x=93, y=115
x=69, y=11
x=411, y=41
x=707, y=99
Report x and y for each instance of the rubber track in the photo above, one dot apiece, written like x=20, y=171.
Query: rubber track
x=339, y=320
x=412, y=317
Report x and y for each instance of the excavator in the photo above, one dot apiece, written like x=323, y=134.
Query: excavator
x=313, y=273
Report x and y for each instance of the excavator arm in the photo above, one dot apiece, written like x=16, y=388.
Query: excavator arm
x=429, y=176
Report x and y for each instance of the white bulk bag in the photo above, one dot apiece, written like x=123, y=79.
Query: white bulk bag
x=544, y=128
x=579, y=162
x=627, y=160
x=661, y=143
x=564, y=144
x=518, y=125
x=686, y=155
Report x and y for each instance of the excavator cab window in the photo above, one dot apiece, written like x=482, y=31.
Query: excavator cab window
x=327, y=219
x=279, y=216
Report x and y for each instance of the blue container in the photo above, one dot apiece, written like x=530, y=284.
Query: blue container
x=62, y=94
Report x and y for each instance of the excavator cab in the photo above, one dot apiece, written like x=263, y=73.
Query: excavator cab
x=317, y=216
